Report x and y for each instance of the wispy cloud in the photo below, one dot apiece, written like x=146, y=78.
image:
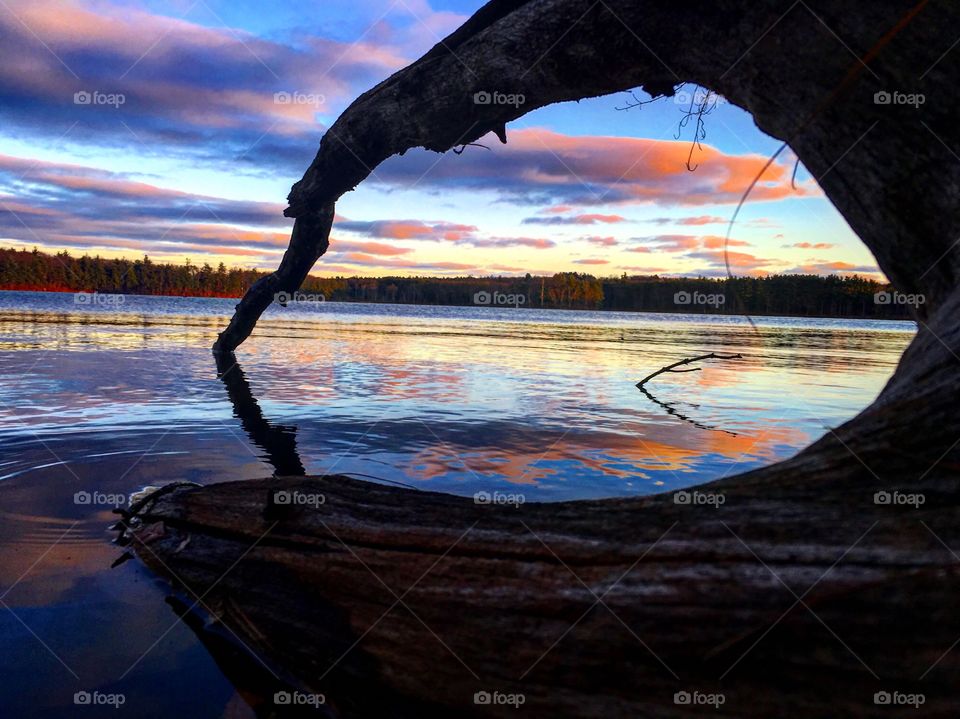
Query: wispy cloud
x=812, y=245
x=688, y=221
x=584, y=219
x=543, y=167
x=602, y=241
x=189, y=85
x=409, y=229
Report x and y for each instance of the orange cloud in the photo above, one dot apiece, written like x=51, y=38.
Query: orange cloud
x=824, y=267
x=740, y=262
x=713, y=242
x=583, y=170
x=409, y=229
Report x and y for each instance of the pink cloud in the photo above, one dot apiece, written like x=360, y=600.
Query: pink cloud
x=669, y=243
x=190, y=84
x=602, y=241
x=644, y=270
x=825, y=267
x=702, y=220
x=741, y=263
x=361, y=258
x=812, y=246
x=409, y=229
x=371, y=248
x=585, y=219
x=437, y=231
x=689, y=221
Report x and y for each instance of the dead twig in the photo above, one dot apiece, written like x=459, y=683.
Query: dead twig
x=688, y=360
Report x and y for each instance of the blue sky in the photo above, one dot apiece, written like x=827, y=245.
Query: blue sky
x=133, y=128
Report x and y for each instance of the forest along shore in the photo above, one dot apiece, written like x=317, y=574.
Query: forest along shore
x=851, y=296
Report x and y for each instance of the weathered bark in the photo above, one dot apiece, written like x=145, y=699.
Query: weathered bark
x=310, y=239
x=487, y=598
x=487, y=590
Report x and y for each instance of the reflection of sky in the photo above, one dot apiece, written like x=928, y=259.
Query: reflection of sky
x=198, y=159
x=449, y=399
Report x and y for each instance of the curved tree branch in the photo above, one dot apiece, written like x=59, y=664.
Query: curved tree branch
x=556, y=50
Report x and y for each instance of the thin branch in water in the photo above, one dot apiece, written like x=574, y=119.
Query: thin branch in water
x=679, y=367
x=688, y=360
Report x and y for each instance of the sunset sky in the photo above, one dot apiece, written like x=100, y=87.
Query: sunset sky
x=197, y=160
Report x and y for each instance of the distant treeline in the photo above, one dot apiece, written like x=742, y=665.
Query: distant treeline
x=802, y=295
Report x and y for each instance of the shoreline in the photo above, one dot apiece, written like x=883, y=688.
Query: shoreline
x=546, y=309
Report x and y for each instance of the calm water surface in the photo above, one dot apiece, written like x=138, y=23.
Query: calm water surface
x=107, y=398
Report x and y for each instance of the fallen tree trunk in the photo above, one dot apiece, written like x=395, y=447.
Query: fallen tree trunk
x=794, y=590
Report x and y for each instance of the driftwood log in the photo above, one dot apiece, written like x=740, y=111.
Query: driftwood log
x=794, y=590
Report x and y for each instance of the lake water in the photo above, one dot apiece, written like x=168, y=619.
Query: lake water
x=103, y=397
